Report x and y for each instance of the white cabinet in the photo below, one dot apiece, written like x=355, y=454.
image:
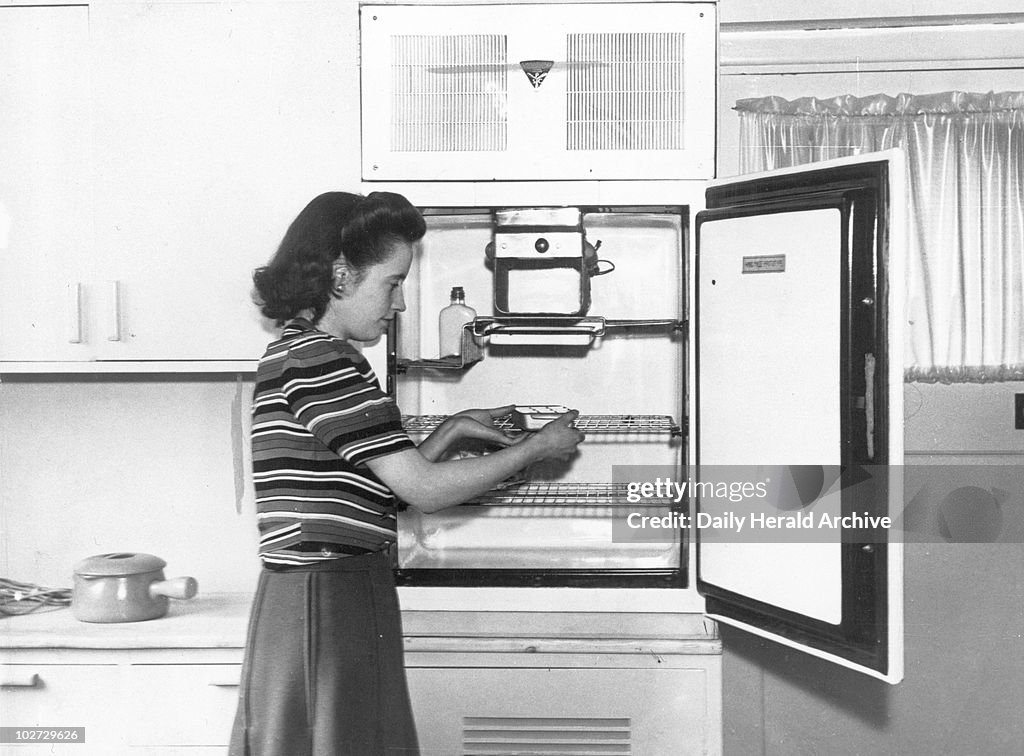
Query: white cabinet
x=510, y=694
x=606, y=681
x=469, y=695
x=201, y=108
x=171, y=144
x=62, y=696
x=45, y=185
x=165, y=686
x=130, y=701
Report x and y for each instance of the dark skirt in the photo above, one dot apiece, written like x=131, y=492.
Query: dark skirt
x=323, y=673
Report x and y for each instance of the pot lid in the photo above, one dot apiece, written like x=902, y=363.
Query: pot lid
x=119, y=563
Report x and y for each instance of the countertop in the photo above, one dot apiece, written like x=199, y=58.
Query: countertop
x=219, y=621
x=216, y=620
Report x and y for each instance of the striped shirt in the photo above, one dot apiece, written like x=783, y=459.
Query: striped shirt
x=319, y=416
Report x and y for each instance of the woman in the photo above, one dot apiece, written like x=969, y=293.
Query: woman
x=323, y=671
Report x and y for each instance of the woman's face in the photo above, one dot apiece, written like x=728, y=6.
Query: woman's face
x=368, y=302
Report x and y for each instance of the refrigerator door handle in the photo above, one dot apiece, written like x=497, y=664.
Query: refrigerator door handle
x=869, y=403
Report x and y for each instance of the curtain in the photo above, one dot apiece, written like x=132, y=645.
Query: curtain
x=964, y=291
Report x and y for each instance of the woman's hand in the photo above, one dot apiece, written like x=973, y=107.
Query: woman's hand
x=479, y=424
x=559, y=438
x=487, y=416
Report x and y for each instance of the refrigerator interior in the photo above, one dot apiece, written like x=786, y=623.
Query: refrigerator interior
x=553, y=524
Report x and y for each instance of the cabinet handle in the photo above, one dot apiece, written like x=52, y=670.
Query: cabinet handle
x=224, y=684
x=114, y=327
x=74, y=301
x=24, y=680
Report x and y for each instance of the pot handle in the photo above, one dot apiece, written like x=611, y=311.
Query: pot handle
x=179, y=588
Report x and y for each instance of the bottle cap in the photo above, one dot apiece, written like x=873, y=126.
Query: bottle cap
x=458, y=293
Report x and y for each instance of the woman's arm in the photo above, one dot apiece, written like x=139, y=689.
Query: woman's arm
x=473, y=423
x=431, y=486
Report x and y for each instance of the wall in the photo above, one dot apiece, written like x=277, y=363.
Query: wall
x=858, y=12
x=964, y=602
x=97, y=464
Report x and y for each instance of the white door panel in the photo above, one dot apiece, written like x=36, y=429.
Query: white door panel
x=777, y=405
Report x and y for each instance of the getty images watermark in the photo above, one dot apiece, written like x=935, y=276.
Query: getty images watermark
x=819, y=504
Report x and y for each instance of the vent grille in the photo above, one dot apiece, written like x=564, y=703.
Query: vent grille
x=625, y=92
x=546, y=736
x=449, y=93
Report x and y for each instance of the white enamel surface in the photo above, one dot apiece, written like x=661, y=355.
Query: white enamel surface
x=769, y=389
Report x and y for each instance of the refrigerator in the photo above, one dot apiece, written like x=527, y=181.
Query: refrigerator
x=736, y=337
x=749, y=335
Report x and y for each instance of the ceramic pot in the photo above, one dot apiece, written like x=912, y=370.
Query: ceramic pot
x=125, y=587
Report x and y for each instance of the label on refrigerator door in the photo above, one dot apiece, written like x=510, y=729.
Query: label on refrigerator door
x=764, y=264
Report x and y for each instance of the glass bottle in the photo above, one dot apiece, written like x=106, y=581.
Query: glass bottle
x=450, y=322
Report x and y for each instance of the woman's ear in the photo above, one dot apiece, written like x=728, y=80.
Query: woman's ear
x=341, y=277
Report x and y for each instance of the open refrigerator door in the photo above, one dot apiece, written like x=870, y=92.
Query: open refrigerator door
x=798, y=364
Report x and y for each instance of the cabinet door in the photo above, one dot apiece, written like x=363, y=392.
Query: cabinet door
x=198, y=702
x=45, y=212
x=59, y=696
x=799, y=391
x=215, y=124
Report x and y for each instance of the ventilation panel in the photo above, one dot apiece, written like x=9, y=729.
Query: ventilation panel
x=538, y=91
x=625, y=92
x=449, y=93
x=546, y=736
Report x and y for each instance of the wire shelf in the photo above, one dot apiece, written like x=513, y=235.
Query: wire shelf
x=596, y=424
x=568, y=324
x=550, y=331
x=563, y=330
x=564, y=494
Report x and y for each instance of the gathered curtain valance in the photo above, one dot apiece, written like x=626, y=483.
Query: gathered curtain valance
x=965, y=166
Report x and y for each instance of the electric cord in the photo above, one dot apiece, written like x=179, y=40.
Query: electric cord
x=21, y=598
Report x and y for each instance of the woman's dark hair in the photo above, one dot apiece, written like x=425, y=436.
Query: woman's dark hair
x=357, y=229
